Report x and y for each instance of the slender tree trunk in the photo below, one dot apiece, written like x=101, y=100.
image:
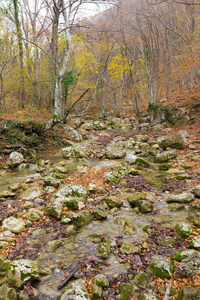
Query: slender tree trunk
x=21, y=53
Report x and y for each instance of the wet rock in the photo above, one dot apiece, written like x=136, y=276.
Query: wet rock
x=94, y=238
x=4, y=262
x=126, y=290
x=82, y=218
x=176, y=206
x=184, y=230
x=53, y=245
x=22, y=270
x=175, y=141
x=14, y=225
x=147, y=297
x=161, y=267
x=115, y=150
x=103, y=250
x=101, y=280
x=70, y=230
x=97, y=292
x=100, y=214
x=195, y=243
x=165, y=156
x=51, y=181
x=168, y=241
x=132, y=171
x=7, y=293
x=32, y=192
x=189, y=293
x=197, y=190
x=62, y=169
x=54, y=209
x=127, y=247
x=141, y=280
x=142, y=162
x=75, y=289
x=164, y=166
x=15, y=159
x=144, y=206
x=189, y=266
x=114, y=201
x=132, y=198
x=180, y=198
x=179, y=256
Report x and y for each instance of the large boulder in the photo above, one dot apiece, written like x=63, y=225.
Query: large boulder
x=15, y=159
x=175, y=141
x=75, y=290
x=13, y=224
x=22, y=270
x=189, y=266
x=115, y=150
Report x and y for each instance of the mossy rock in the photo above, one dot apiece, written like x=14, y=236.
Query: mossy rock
x=144, y=206
x=82, y=218
x=126, y=290
x=195, y=243
x=189, y=293
x=142, y=162
x=162, y=268
x=97, y=292
x=4, y=262
x=146, y=296
x=141, y=280
x=164, y=166
x=101, y=280
x=184, y=230
x=94, y=238
x=7, y=293
x=71, y=203
x=103, y=250
x=114, y=201
x=132, y=198
x=179, y=256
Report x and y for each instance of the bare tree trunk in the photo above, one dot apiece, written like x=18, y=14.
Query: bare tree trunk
x=21, y=53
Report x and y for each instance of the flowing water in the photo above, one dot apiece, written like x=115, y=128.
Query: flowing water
x=78, y=246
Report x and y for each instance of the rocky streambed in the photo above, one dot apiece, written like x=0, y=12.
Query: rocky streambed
x=114, y=217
